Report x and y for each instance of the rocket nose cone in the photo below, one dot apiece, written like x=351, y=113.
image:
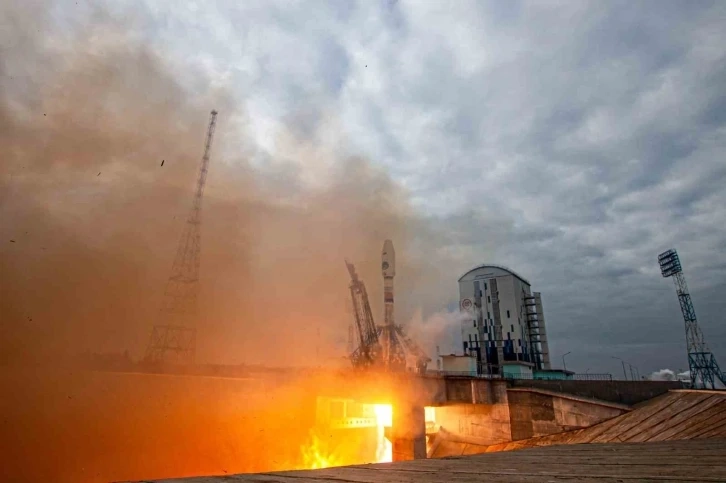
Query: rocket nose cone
x=388, y=259
x=387, y=248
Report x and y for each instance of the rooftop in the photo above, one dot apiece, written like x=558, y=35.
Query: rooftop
x=692, y=460
x=500, y=267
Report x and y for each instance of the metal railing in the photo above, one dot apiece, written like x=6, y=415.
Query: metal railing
x=553, y=377
x=530, y=377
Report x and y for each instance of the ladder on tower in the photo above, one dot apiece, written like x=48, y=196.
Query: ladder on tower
x=535, y=331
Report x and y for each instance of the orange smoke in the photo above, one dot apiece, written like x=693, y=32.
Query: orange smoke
x=86, y=120
x=93, y=427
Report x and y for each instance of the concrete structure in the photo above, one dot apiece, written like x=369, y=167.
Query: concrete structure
x=606, y=463
x=511, y=414
x=678, y=415
x=459, y=365
x=506, y=324
x=622, y=392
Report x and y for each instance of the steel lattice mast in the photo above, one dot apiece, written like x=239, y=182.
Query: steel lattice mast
x=368, y=351
x=176, y=339
x=701, y=362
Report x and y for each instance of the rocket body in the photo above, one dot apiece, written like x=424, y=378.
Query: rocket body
x=388, y=267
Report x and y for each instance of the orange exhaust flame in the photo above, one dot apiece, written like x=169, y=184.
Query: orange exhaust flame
x=316, y=454
x=384, y=418
x=322, y=451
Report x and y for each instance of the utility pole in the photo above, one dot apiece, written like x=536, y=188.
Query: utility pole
x=175, y=338
x=564, y=366
x=625, y=375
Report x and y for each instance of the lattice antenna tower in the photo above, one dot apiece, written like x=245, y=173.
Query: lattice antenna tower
x=701, y=362
x=175, y=340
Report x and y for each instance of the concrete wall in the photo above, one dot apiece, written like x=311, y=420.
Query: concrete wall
x=517, y=413
x=487, y=423
x=539, y=413
x=472, y=390
x=408, y=435
x=623, y=392
x=475, y=408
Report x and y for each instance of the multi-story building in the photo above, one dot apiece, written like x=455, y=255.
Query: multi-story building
x=506, y=328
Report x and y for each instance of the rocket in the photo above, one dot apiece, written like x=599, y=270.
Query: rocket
x=388, y=267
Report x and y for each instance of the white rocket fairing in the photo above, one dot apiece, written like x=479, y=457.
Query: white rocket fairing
x=388, y=267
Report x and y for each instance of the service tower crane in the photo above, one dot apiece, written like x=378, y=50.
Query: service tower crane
x=386, y=346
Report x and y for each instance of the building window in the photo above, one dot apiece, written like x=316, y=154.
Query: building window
x=489, y=316
x=486, y=331
x=512, y=327
x=474, y=323
x=485, y=285
x=489, y=299
x=509, y=336
x=507, y=313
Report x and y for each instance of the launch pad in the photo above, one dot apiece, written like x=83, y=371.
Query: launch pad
x=385, y=347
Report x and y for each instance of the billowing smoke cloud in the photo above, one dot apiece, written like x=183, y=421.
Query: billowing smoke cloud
x=440, y=331
x=669, y=375
x=90, y=219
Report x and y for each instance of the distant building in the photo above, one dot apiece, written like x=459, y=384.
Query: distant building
x=506, y=331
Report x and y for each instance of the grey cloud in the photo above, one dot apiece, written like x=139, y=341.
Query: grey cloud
x=571, y=141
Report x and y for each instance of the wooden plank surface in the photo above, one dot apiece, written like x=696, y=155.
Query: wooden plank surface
x=701, y=416
x=627, y=422
x=715, y=417
x=679, y=411
x=677, y=461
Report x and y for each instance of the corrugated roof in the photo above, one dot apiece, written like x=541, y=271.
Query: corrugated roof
x=500, y=267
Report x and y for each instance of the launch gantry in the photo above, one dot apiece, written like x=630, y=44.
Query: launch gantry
x=386, y=347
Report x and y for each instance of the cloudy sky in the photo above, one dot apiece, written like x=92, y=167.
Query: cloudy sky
x=572, y=141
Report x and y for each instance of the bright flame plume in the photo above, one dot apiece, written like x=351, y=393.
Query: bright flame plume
x=319, y=451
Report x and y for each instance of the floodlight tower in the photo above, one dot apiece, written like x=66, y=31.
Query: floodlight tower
x=701, y=362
